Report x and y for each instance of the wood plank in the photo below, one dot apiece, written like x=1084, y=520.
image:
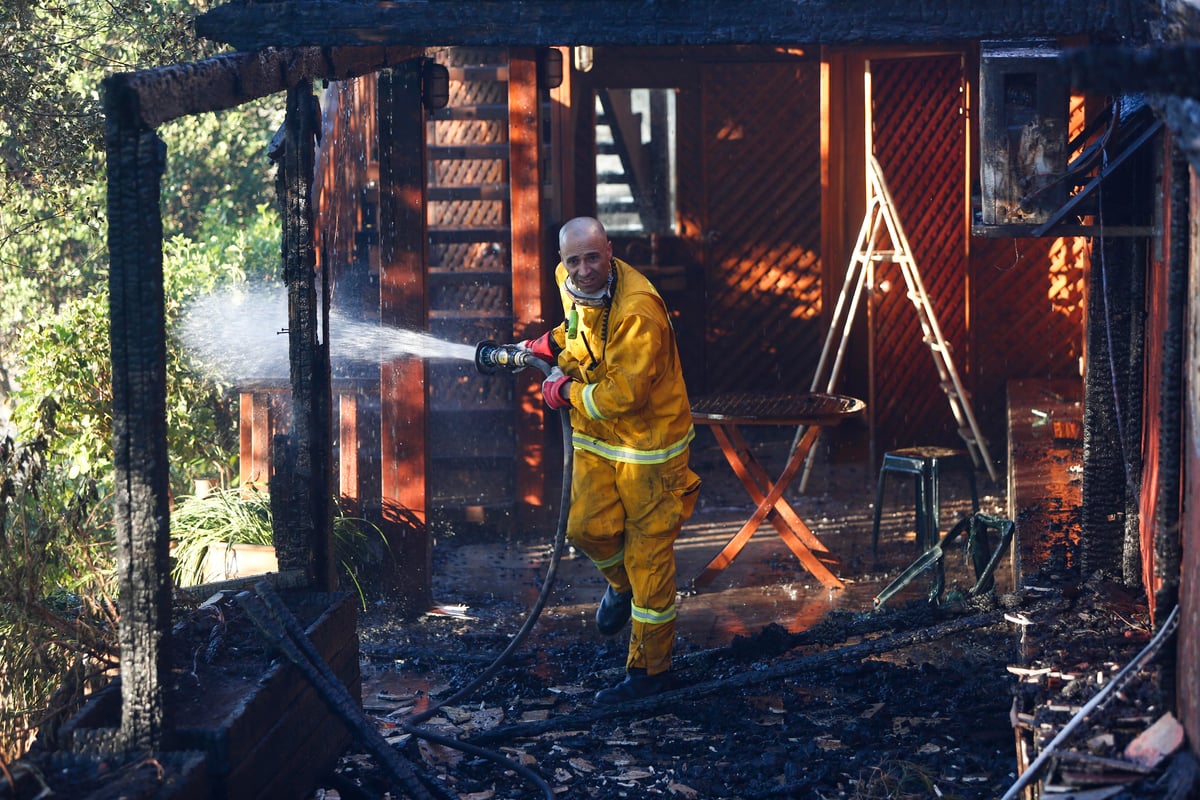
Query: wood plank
x=1045, y=490
x=251, y=26
x=531, y=304
x=347, y=452
x=403, y=302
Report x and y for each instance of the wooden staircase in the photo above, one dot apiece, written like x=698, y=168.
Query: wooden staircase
x=472, y=441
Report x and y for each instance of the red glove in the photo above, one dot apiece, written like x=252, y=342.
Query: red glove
x=553, y=389
x=542, y=347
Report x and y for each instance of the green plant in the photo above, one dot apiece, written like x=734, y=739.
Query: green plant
x=58, y=618
x=223, y=518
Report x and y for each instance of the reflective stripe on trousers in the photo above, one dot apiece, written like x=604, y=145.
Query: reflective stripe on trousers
x=625, y=518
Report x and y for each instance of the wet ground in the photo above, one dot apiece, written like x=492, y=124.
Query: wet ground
x=786, y=688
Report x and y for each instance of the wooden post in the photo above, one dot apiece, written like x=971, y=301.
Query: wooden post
x=403, y=304
x=528, y=275
x=141, y=517
x=304, y=536
x=256, y=427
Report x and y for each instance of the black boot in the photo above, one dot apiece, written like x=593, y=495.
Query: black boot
x=614, y=611
x=637, y=684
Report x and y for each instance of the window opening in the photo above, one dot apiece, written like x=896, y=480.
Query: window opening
x=635, y=160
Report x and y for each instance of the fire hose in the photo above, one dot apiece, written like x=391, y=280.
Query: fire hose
x=489, y=359
x=284, y=632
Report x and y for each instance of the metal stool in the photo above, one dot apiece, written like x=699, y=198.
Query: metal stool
x=923, y=464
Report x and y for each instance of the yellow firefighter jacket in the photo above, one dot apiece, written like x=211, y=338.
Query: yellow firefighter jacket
x=630, y=403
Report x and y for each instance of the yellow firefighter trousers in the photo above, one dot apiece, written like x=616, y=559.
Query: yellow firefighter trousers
x=625, y=518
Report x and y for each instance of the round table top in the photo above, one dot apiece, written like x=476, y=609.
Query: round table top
x=804, y=408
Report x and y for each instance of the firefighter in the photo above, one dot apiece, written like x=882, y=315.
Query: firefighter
x=617, y=368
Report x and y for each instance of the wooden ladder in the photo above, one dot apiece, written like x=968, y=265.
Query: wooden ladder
x=881, y=216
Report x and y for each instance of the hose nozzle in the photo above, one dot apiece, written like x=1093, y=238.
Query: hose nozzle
x=491, y=357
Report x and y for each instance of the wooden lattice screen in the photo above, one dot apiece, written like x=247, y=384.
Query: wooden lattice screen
x=919, y=139
x=762, y=227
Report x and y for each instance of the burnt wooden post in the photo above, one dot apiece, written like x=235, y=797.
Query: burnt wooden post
x=1166, y=467
x=134, y=105
x=136, y=160
x=303, y=530
x=1112, y=406
x=403, y=303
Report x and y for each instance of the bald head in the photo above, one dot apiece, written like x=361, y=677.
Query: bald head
x=586, y=252
x=581, y=227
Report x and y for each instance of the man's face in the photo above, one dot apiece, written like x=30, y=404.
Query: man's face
x=587, y=257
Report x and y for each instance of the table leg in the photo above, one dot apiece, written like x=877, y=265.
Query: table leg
x=754, y=478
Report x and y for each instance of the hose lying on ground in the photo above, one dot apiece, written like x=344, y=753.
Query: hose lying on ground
x=284, y=632
x=412, y=723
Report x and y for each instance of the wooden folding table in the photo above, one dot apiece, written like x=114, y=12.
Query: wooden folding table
x=809, y=412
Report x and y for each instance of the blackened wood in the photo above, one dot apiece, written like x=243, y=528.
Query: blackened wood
x=403, y=303
x=136, y=160
x=251, y=26
x=154, y=96
x=779, y=669
x=1134, y=400
x=304, y=538
x=1181, y=778
x=1104, y=417
x=1169, y=397
x=1163, y=69
x=1188, y=645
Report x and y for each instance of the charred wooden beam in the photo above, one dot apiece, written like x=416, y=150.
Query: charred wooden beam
x=304, y=536
x=136, y=161
x=154, y=96
x=255, y=25
x=1172, y=69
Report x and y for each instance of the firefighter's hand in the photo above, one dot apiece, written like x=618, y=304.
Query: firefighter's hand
x=556, y=389
x=542, y=347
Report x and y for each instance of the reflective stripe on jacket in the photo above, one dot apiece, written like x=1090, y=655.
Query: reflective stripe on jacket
x=629, y=402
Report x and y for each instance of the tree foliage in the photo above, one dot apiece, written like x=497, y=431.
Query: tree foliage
x=65, y=394
x=53, y=56
x=56, y=558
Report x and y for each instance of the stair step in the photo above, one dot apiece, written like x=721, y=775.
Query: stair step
x=479, y=74
x=495, y=111
x=619, y=207
x=459, y=152
x=491, y=191
x=468, y=235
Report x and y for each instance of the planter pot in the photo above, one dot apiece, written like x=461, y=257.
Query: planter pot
x=239, y=561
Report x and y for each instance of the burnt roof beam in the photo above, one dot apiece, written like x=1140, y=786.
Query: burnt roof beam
x=256, y=25
x=154, y=96
x=1168, y=74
